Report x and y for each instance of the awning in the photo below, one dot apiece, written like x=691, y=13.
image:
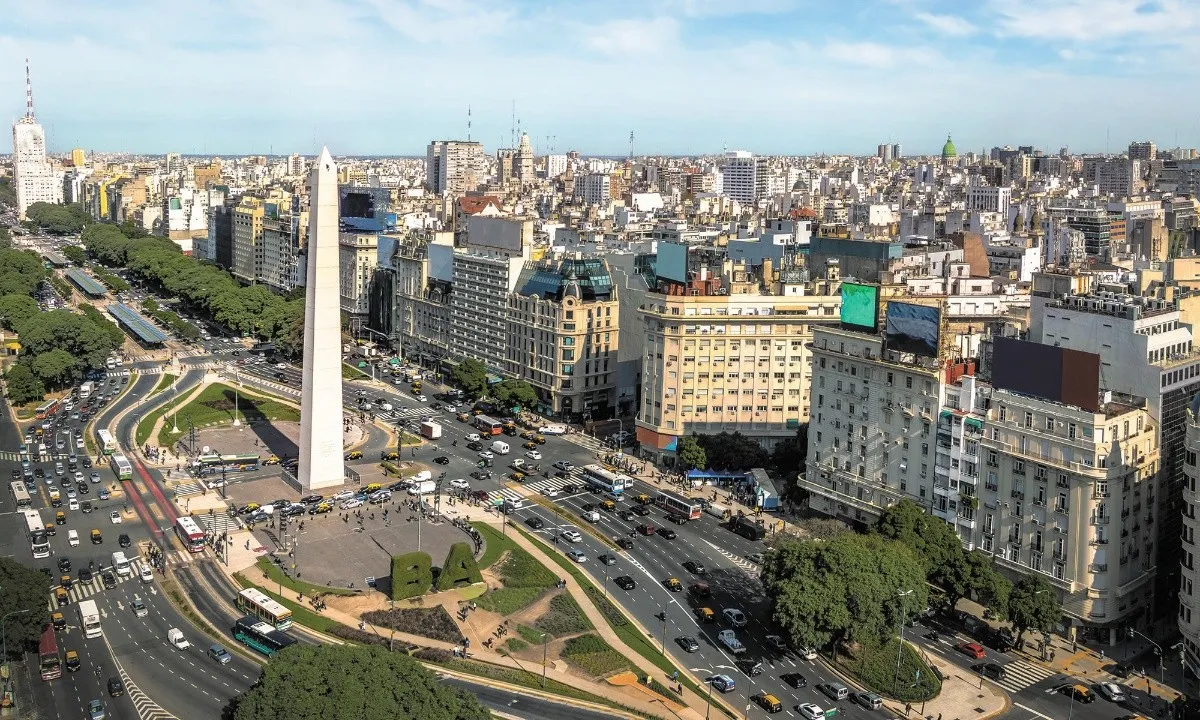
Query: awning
x=793, y=424
x=974, y=422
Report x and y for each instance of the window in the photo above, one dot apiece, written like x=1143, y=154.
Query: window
x=1028, y=419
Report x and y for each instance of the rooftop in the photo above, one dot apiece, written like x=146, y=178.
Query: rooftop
x=137, y=324
x=85, y=282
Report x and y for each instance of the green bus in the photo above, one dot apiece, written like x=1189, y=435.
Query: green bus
x=261, y=636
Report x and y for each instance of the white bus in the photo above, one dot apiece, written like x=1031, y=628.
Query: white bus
x=39, y=541
x=107, y=443
x=89, y=618
x=257, y=603
x=605, y=480
x=20, y=494
x=121, y=466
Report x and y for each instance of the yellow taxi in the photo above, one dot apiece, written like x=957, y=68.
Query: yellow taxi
x=321, y=508
x=373, y=487
x=391, y=455
x=354, y=455
x=768, y=702
x=529, y=445
x=673, y=584
x=539, y=439
x=72, y=661
x=51, y=529
x=704, y=614
x=60, y=518
x=642, y=499
x=61, y=597
x=58, y=620
x=273, y=460
x=463, y=417
x=517, y=477
x=609, y=505
x=528, y=435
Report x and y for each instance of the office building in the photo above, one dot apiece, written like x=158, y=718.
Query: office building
x=483, y=275
x=1144, y=151
x=454, y=167
x=247, y=226
x=982, y=198
x=34, y=179
x=594, y=188
x=359, y=257
x=1189, y=581
x=744, y=176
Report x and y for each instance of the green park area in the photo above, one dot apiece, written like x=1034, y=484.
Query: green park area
x=214, y=406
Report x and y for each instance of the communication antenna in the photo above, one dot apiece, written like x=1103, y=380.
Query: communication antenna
x=28, y=92
x=631, y=145
x=468, y=123
x=512, y=129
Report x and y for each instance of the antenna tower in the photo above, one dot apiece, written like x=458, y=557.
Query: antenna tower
x=468, y=123
x=631, y=145
x=28, y=92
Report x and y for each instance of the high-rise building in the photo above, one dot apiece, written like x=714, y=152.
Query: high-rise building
x=33, y=177
x=1189, y=585
x=78, y=157
x=454, y=167
x=247, y=239
x=744, y=176
x=1144, y=151
x=523, y=162
x=594, y=188
x=989, y=199
x=296, y=164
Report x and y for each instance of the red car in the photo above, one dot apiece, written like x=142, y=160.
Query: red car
x=971, y=650
x=646, y=529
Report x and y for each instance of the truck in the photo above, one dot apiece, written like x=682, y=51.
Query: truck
x=85, y=390
x=121, y=564
x=431, y=430
x=500, y=447
x=89, y=618
x=729, y=639
x=518, y=464
x=717, y=511
x=176, y=638
x=424, y=487
x=553, y=430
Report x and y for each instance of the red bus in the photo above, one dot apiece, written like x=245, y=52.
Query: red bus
x=47, y=409
x=488, y=426
x=190, y=534
x=48, y=659
x=686, y=507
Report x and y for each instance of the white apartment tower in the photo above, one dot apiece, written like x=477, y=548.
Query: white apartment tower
x=745, y=176
x=454, y=166
x=33, y=177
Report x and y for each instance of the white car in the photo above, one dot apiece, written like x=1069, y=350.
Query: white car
x=422, y=398
x=351, y=504
x=473, y=437
x=73, y=504
x=1111, y=692
x=533, y=455
x=577, y=555
x=146, y=574
x=809, y=711
x=214, y=484
x=78, y=476
x=343, y=495
x=281, y=366
x=487, y=455
x=570, y=534
x=808, y=653
x=460, y=484
x=551, y=492
x=115, y=517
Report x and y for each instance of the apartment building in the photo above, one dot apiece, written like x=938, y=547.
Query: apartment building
x=358, y=256
x=744, y=176
x=1189, y=581
x=563, y=334
x=423, y=267
x=454, y=167
x=247, y=239
x=721, y=354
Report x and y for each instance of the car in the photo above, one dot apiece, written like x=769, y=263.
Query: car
x=85, y=575
x=123, y=540
x=115, y=517
x=607, y=559
x=460, y=483
x=220, y=654
x=623, y=543
x=72, y=505
x=94, y=478
x=139, y=608
x=833, y=690
x=487, y=455
x=673, y=584
x=311, y=499
x=71, y=494
x=1111, y=692
x=971, y=649
x=564, y=465
x=108, y=578
x=777, y=642
x=343, y=495
x=794, y=680
x=115, y=687
x=95, y=710
x=529, y=445
x=667, y=533
x=808, y=653
x=442, y=460
x=626, y=515
x=647, y=529
x=624, y=582
x=103, y=495
x=642, y=510
x=993, y=671
x=320, y=508
x=688, y=643
x=533, y=455
x=481, y=474
x=577, y=555
x=146, y=574
x=351, y=504
x=550, y=491
x=1078, y=693
x=87, y=463
x=64, y=564
x=768, y=702
x=810, y=711
x=474, y=445
x=868, y=700
x=723, y=683
x=734, y=617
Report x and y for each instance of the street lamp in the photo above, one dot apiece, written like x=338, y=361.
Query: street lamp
x=3, y=632
x=900, y=649
x=236, y=381
x=708, y=700
x=545, y=644
x=663, y=616
x=1162, y=670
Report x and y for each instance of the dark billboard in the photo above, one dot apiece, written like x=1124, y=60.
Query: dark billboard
x=1071, y=377
x=860, y=306
x=913, y=328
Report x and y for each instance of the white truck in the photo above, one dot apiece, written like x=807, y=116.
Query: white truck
x=121, y=564
x=553, y=430
x=176, y=638
x=431, y=430
x=89, y=618
x=729, y=639
x=425, y=487
x=500, y=447
x=85, y=390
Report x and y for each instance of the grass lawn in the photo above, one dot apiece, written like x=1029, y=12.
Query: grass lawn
x=352, y=373
x=594, y=656
x=164, y=381
x=146, y=425
x=875, y=666
x=565, y=617
x=531, y=679
x=495, y=544
x=534, y=637
x=507, y=601
x=215, y=405
x=515, y=644
x=275, y=575
x=300, y=614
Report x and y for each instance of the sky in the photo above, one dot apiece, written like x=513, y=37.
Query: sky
x=687, y=77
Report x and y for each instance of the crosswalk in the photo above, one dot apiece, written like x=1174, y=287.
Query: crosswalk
x=82, y=591
x=401, y=415
x=752, y=569
x=537, y=486
x=1020, y=674
x=152, y=370
x=219, y=522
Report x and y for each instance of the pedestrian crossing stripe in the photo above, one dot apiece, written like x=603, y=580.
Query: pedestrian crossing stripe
x=537, y=486
x=218, y=522
x=1020, y=674
x=82, y=591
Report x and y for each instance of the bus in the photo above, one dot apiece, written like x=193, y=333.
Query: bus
x=190, y=534
x=679, y=505
x=20, y=494
x=47, y=409
x=488, y=425
x=39, y=542
x=121, y=466
x=107, y=443
x=605, y=480
x=48, y=660
x=254, y=633
x=257, y=603
x=236, y=463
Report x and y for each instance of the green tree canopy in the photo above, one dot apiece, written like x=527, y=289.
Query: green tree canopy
x=343, y=681
x=76, y=334
x=690, y=454
x=733, y=451
x=57, y=219
x=56, y=368
x=21, y=271
x=23, y=386
x=931, y=538
x=851, y=586
x=471, y=376
x=75, y=254
x=22, y=589
x=1033, y=605
x=15, y=309
x=515, y=392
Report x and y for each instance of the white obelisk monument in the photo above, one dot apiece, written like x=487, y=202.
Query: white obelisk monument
x=321, y=462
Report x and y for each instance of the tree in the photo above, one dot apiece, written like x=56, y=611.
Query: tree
x=515, y=392
x=56, y=368
x=75, y=254
x=56, y=219
x=790, y=455
x=852, y=586
x=690, y=454
x=992, y=589
x=1033, y=605
x=22, y=588
x=343, y=681
x=23, y=386
x=15, y=309
x=734, y=450
x=931, y=538
x=471, y=376
x=5, y=238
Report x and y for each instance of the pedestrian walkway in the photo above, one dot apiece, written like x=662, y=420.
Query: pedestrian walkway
x=82, y=591
x=586, y=441
x=1019, y=674
x=152, y=370
x=219, y=522
x=537, y=486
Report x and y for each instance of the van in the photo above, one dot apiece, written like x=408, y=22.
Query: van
x=73, y=537
x=591, y=516
x=835, y=690
x=500, y=447
x=176, y=638
x=420, y=477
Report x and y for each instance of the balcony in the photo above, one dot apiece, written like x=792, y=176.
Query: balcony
x=1102, y=520
x=1098, y=567
x=1099, y=541
x=1018, y=494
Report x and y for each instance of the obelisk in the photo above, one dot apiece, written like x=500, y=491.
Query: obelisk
x=321, y=462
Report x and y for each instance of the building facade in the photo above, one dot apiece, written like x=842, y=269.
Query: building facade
x=34, y=179
x=454, y=167
x=247, y=234
x=359, y=255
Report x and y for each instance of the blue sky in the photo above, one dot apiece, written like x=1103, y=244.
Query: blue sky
x=687, y=76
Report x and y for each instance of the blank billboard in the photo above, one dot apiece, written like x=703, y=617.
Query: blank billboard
x=860, y=306
x=913, y=328
x=672, y=262
x=1071, y=377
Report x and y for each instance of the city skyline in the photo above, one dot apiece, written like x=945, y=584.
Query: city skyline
x=686, y=76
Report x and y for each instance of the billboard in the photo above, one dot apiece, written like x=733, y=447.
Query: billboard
x=1071, y=377
x=672, y=262
x=860, y=306
x=913, y=328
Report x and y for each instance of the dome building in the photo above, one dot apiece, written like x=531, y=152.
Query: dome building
x=949, y=153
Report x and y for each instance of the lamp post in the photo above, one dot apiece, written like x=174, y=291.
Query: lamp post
x=1162, y=670
x=236, y=381
x=900, y=649
x=663, y=616
x=3, y=632
x=545, y=644
x=175, y=403
x=708, y=700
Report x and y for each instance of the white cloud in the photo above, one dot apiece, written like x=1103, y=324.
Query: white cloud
x=1095, y=20
x=877, y=55
x=724, y=8
x=624, y=38
x=947, y=24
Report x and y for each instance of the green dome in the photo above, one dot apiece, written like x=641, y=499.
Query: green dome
x=948, y=150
